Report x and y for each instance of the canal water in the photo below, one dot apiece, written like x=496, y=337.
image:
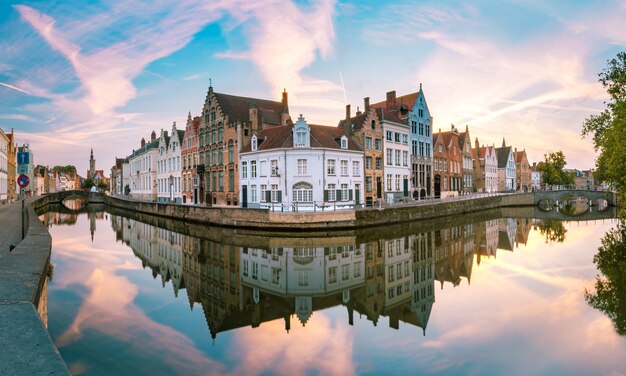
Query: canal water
x=488, y=296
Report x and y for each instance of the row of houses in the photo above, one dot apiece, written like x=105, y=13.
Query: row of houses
x=250, y=152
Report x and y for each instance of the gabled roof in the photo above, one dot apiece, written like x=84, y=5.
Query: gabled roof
x=392, y=115
x=322, y=136
x=357, y=120
x=238, y=108
x=503, y=156
x=408, y=100
x=520, y=156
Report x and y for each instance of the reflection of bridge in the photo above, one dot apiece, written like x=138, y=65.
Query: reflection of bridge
x=562, y=195
x=535, y=212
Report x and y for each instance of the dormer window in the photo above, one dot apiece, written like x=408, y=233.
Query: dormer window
x=301, y=133
x=254, y=143
x=344, y=142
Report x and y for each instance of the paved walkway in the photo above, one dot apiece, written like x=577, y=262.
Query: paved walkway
x=10, y=226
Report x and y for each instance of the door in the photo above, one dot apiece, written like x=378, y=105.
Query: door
x=379, y=187
x=244, y=196
x=437, y=186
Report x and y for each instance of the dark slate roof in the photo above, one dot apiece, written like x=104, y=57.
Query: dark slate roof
x=391, y=115
x=503, y=156
x=357, y=120
x=181, y=135
x=322, y=136
x=238, y=108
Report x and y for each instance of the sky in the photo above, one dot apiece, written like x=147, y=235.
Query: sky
x=77, y=75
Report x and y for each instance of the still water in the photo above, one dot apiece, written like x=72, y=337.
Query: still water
x=488, y=297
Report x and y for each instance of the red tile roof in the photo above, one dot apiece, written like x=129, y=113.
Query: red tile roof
x=238, y=108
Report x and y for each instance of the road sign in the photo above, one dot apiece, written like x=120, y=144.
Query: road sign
x=23, y=181
x=22, y=169
x=23, y=157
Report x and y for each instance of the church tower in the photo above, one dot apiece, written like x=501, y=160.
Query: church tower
x=92, y=165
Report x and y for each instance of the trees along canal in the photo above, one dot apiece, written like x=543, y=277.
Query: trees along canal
x=608, y=131
x=552, y=169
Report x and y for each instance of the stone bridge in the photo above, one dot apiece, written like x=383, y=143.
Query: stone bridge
x=562, y=195
x=61, y=196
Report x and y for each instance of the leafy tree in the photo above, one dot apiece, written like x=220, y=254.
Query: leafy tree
x=553, y=231
x=69, y=169
x=102, y=186
x=610, y=288
x=608, y=130
x=88, y=183
x=552, y=169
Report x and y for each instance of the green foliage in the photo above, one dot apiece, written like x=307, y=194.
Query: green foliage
x=69, y=169
x=552, y=169
x=608, y=129
x=610, y=288
x=102, y=186
x=87, y=183
x=553, y=231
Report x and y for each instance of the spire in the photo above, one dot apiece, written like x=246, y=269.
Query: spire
x=420, y=86
x=503, y=142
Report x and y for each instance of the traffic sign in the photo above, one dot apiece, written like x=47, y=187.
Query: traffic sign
x=22, y=169
x=23, y=181
x=23, y=157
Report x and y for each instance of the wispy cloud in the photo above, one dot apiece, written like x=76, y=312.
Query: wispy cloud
x=15, y=88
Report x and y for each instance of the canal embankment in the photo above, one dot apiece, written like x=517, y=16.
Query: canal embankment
x=27, y=348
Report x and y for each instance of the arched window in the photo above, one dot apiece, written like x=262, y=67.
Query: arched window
x=302, y=192
x=373, y=124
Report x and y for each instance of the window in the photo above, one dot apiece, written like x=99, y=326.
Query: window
x=220, y=134
x=344, y=142
x=275, y=275
x=221, y=181
x=255, y=270
x=389, y=157
x=356, y=168
x=253, y=169
x=303, y=278
x=389, y=136
x=368, y=143
x=244, y=170
x=275, y=193
x=390, y=273
x=344, y=192
x=301, y=138
x=405, y=158
x=263, y=194
x=378, y=144
x=368, y=183
x=398, y=183
x=253, y=194
x=332, y=275
x=231, y=153
x=368, y=163
x=345, y=272
x=220, y=155
x=302, y=192
x=389, y=182
x=344, y=167
x=274, y=163
x=373, y=124
x=330, y=169
x=379, y=163
x=405, y=139
x=397, y=137
x=302, y=167
x=397, y=152
x=331, y=192
x=231, y=181
x=254, y=143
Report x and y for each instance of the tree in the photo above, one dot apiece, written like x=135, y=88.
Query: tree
x=102, y=186
x=88, y=183
x=69, y=169
x=552, y=169
x=610, y=288
x=608, y=130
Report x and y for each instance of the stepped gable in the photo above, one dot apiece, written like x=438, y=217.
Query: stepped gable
x=238, y=108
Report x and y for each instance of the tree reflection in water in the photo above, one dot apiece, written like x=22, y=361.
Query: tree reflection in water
x=610, y=288
x=554, y=231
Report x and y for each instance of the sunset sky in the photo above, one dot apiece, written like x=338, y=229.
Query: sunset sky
x=76, y=75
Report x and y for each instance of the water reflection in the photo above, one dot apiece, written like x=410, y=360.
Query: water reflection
x=245, y=285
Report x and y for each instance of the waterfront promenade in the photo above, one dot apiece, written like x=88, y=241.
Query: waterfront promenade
x=27, y=348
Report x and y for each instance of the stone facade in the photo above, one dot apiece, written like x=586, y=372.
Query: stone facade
x=448, y=163
x=522, y=171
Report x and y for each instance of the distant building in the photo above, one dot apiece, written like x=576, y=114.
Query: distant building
x=448, y=163
x=522, y=171
x=11, y=168
x=506, y=168
x=42, y=177
x=465, y=144
x=143, y=170
x=485, y=161
x=117, y=177
x=169, y=170
x=535, y=177
x=583, y=179
x=189, y=155
x=4, y=168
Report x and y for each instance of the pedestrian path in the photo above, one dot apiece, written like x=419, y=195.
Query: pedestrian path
x=10, y=226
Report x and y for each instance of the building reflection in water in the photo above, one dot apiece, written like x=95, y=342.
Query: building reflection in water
x=245, y=282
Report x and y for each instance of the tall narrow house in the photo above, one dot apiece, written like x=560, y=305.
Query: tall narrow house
x=228, y=122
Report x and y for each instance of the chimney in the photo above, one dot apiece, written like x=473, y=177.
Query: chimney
x=153, y=136
x=391, y=100
x=285, y=101
x=347, y=112
x=358, y=112
x=143, y=142
x=366, y=102
x=165, y=134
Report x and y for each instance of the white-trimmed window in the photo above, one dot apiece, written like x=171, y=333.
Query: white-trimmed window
x=330, y=168
x=344, y=192
x=244, y=170
x=302, y=192
x=331, y=192
x=389, y=157
x=356, y=168
x=263, y=190
x=274, y=163
x=253, y=194
x=344, y=167
x=302, y=167
x=397, y=153
x=254, y=143
x=253, y=169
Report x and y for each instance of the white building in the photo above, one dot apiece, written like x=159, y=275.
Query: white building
x=143, y=170
x=4, y=167
x=485, y=168
x=506, y=168
x=169, y=169
x=397, y=168
x=535, y=178
x=301, y=167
